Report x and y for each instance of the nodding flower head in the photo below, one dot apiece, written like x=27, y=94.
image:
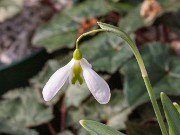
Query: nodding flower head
x=78, y=70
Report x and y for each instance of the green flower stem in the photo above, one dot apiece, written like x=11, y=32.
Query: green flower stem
x=123, y=35
x=87, y=33
x=155, y=105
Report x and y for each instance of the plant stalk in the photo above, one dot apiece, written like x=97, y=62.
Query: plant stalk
x=123, y=35
x=155, y=105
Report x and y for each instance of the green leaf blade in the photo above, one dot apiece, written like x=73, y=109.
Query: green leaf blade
x=96, y=128
x=177, y=107
x=172, y=115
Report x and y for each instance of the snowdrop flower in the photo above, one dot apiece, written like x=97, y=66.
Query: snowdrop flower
x=77, y=70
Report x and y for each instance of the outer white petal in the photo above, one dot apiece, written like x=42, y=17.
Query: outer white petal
x=56, y=81
x=85, y=63
x=98, y=87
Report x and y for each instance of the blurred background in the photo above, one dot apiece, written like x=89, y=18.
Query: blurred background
x=37, y=37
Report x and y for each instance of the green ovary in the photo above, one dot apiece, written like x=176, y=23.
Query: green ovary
x=77, y=73
x=77, y=55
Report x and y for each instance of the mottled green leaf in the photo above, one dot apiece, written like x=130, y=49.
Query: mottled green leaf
x=115, y=113
x=172, y=21
x=40, y=80
x=118, y=121
x=133, y=20
x=74, y=115
x=96, y=128
x=21, y=108
x=61, y=31
x=140, y=129
x=14, y=129
x=66, y=132
x=163, y=68
x=170, y=6
x=120, y=6
x=106, y=52
x=76, y=94
x=9, y=8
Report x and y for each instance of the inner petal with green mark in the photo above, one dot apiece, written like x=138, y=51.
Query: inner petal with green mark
x=77, y=73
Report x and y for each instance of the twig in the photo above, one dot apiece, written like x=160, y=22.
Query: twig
x=166, y=34
x=63, y=115
x=157, y=33
x=51, y=129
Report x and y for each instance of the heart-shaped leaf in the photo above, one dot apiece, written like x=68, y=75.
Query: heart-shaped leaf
x=22, y=108
x=140, y=129
x=133, y=20
x=163, y=67
x=106, y=52
x=61, y=31
x=115, y=113
x=14, y=129
x=76, y=94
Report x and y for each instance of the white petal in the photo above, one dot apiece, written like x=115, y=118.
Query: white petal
x=98, y=87
x=71, y=72
x=56, y=81
x=85, y=62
